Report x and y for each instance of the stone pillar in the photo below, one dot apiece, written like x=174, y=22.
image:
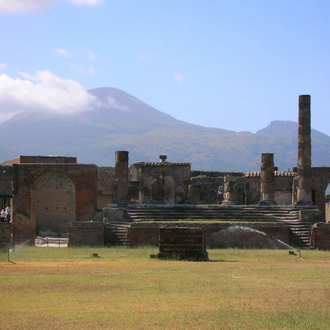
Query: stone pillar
x=267, y=184
x=304, y=192
x=230, y=194
x=121, y=177
x=158, y=187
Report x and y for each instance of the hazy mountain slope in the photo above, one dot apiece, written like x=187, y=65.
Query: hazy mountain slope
x=287, y=131
x=122, y=122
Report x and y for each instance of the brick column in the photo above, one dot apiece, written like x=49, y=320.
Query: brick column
x=121, y=177
x=304, y=194
x=267, y=184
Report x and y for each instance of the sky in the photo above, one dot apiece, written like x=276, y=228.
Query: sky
x=231, y=64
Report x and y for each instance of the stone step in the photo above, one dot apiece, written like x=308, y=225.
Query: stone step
x=299, y=233
x=119, y=234
x=232, y=214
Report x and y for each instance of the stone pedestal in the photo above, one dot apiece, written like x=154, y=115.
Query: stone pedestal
x=230, y=193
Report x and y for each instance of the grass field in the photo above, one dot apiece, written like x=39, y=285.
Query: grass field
x=69, y=288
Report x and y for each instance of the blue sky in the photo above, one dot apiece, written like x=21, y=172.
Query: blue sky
x=232, y=64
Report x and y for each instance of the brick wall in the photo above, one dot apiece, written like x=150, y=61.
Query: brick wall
x=85, y=233
x=74, y=182
x=182, y=243
x=320, y=236
x=105, y=186
x=5, y=234
x=147, y=234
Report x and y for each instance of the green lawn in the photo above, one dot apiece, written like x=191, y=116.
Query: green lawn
x=69, y=288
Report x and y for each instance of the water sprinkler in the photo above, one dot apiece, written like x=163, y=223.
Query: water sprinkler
x=10, y=249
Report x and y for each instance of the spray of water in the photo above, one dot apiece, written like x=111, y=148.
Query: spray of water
x=245, y=237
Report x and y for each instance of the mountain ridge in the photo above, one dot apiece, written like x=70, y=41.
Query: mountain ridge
x=123, y=122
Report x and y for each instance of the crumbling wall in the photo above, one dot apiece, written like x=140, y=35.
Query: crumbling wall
x=283, y=188
x=5, y=234
x=177, y=179
x=206, y=190
x=41, y=160
x=6, y=178
x=26, y=178
x=105, y=186
x=320, y=236
x=85, y=233
x=55, y=203
x=147, y=233
x=185, y=243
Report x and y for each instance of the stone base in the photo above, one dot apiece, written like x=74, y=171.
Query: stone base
x=228, y=203
x=303, y=203
x=189, y=256
x=157, y=202
x=117, y=203
x=267, y=203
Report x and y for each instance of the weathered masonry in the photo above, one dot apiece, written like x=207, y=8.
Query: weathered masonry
x=54, y=195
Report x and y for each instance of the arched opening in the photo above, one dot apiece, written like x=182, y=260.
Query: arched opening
x=327, y=193
x=55, y=204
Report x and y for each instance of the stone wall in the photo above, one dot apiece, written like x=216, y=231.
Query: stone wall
x=205, y=190
x=320, y=236
x=143, y=234
x=105, y=186
x=5, y=234
x=85, y=233
x=184, y=243
x=6, y=178
x=31, y=193
x=312, y=215
x=147, y=233
x=177, y=179
x=41, y=160
x=320, y=181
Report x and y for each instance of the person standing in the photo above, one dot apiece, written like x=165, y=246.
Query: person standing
x=7, y=213
x=2, y=215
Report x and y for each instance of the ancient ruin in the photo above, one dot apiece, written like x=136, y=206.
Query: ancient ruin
x=130, y=204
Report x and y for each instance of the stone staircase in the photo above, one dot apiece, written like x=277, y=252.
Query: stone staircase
x=207, y=213
x=116, y=233
x=299, y=233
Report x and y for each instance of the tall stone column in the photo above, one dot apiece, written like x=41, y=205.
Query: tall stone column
x=304, y=191
x=158, y=187
x=267, y=184
x=121, y=177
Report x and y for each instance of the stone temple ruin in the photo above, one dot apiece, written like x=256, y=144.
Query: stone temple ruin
x=131, y=204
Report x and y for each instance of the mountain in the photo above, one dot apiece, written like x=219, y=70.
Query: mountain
x=123, y=122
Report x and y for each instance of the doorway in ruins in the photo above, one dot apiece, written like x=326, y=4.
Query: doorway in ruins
x=55, y=204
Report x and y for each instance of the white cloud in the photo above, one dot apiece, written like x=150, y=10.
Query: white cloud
x=86, y=2
x=113, y=103
x=62, y=52
x=90, y=55
x=16, y=6
x=42, y=92
x=3, y=66
x=144, y=57
x=179, y=77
